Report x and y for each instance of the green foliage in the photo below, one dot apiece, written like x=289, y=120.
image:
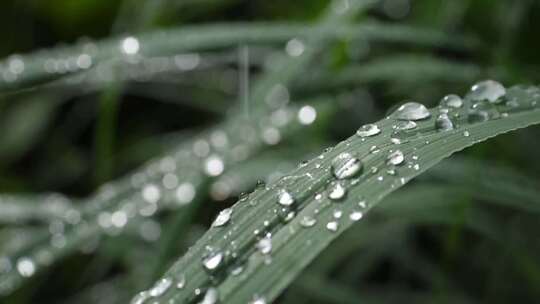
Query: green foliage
x=118, y=152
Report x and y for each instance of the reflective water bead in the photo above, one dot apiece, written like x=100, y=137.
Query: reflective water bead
x=258, y=300
x=395, y=158
x=265, y=245
x=412, y=111
x=212, y=261
x=223, y=217
x=307, y=221
x=451, y=101
x=345, y=165
x=356, y=216
x=140, y=298
x=285, y=198
x=368, y=130
x=336, y=191
x=405, y=125
x=490, y=90
x=444, y=123
x=332, y=226
x=160, y=287
x=210, y=297
x=180, y=281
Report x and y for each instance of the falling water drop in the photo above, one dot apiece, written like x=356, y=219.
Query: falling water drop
x=489, y=90
x=412, y=111
x=223, y=217
x=368, y=130
x=345, y=165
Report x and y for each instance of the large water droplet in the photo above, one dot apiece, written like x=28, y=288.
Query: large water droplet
x=368, y=130
x=285, y=198
x=490, y=90
x=395, y=158
x=336, y=191
x=412, y=111
x=160, y=287
x=451, y=101
x=212, y=261
x=345, y=165
x=223, y=217
x=443, y=123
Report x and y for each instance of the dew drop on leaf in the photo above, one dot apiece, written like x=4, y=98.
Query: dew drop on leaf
x=210, y=297
x=356, y=216
x=395, y=158
x=336, y=191
x=405, y=125
x=332, y=226
x=264, y=245
x=308, y=221
x=212, y=261
x=140, y=298
x=368, y=130
x=443, y=123
x=26, y=267
x=258, y=300
x=345, y=165
x=223, y=217
x=412, y=111
x=180, y=281
x=489, y=90
x=160, y=287
x=451, y=101
x=285, y=198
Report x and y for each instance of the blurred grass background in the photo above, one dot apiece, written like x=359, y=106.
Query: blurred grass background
x=73, y=140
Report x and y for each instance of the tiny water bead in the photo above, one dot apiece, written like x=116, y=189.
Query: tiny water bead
x=211, y=296
x=160, y=287
x=332, y=226
x=412, y=111
x=26, y=267
x=258, y=300
x=336, y=191
x=180, y=281
x=285, y=198
x=212, y=261
x=368, y=130
x=130, y=46
x=489, y=90
x=345, y=165
x=265, y=245
x=223, y=217
x=451, y=101
x=405, y=125
x=443, y=123
x=307, y=221
x=395, y=158
x=140, y=298
x=356, y=216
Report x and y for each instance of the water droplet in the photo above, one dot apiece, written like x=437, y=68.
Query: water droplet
x=185, y=193
x=258, y=300
x=285, y=198
x=212, y=261
x=451, y=101
x=337, y=214
x=466, y=133
x=336, y=191
x=368, y=130
x=26, y=267
x=210, y=297
x=151, y=193
x=405, y=125
x=265, y=245
x=332, y=226
x=412, y=111
x=395, y=158
x=223, y=217
x=308, y=221
x=443, y=123
x=160, y=287
x=295, y=47
x=489, y=90
x=140, y=298
x=356, y=216
x=345, y=165
x=180, y=281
